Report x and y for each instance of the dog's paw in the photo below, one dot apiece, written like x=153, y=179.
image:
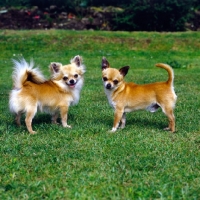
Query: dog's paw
x=122, y=126
x=166, y=129
x=68, y=126
x=65, y=125
x=113, y=130
x=169, y=129
x=55, y=122
x=33, y=132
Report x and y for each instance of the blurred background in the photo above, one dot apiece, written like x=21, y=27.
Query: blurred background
x=111, y=15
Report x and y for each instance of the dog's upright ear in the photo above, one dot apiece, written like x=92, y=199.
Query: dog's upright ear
x=124, y=70
x=105, y=64
x=77, y=60
x=55, y=67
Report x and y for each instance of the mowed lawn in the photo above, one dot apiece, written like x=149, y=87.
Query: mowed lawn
x=142, y=161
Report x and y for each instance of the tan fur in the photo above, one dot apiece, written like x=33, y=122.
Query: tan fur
x=54, y=95
x=126, y=97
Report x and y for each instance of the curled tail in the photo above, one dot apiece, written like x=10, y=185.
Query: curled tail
x=24, y=71
x=170, y=80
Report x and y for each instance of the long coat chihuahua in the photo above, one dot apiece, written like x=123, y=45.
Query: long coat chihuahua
x=32, y=91
x=126, y=97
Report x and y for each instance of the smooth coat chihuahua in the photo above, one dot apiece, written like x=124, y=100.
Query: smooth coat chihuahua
x=32, y=91
x=126, y=97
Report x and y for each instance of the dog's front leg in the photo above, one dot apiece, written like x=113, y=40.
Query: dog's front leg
x=117, y=119
x=123, y=120
x=63, y=114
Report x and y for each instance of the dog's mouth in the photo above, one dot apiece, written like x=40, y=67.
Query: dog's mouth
x=70, y=82
x=71, y=85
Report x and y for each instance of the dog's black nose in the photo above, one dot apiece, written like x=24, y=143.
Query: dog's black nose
x=71, y=81
x=108, y=86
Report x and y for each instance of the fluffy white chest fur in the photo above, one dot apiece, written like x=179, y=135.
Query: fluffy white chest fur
x=109, y=97
x=76, y=92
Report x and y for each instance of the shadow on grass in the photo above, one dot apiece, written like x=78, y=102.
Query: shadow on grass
x=148, y=123
x=134, y=120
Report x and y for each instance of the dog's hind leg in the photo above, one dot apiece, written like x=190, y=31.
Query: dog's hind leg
x=18, y=118
x=28, y=120
x=171, y=119
x=54, y=118
x=169, y=113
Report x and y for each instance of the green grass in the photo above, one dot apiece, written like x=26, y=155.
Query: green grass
x=86, y=162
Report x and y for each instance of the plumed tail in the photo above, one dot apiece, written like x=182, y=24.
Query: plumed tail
x=24, y=71
x=170, y=80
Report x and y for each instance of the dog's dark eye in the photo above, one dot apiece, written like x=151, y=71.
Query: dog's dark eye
x=105, y=79
x=115, y=82
x=76, y=76
x=65, y=78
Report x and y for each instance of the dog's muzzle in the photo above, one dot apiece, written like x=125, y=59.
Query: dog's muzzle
x=108, y=86
x=71, y=83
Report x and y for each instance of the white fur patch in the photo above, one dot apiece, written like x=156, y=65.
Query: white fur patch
x=21, y=67
x=76, y=91
x=14, y=104
x=109, y=97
